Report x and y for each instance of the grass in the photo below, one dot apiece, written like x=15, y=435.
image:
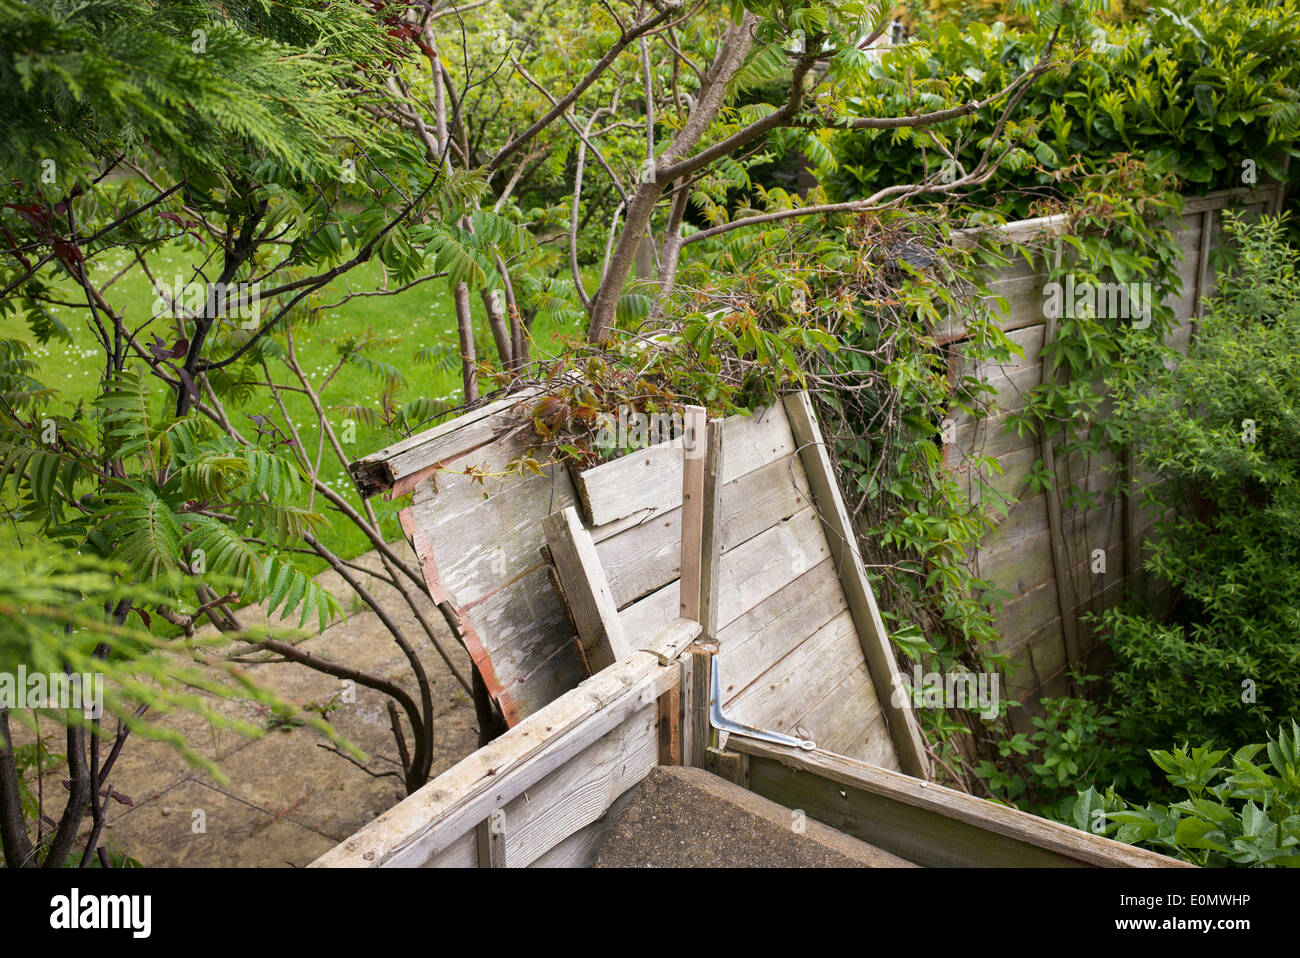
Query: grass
x=400, y=325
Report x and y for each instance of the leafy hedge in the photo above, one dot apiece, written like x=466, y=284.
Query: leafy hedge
x=1221, y=431
x=1196, y=89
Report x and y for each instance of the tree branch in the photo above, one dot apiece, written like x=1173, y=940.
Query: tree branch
x=632, y=33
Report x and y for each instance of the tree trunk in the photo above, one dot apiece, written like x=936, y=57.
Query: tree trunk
x=604, y=305
x=16, y=844
x=645, y=258
x=490, y=723
x=78, y=800
x=468, y=356
x=496, y=315
x=640, y=211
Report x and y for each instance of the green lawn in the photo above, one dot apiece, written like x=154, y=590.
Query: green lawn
x=403, y=324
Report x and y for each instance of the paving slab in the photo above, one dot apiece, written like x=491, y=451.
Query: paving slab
x=193, y=824
x=285, y=799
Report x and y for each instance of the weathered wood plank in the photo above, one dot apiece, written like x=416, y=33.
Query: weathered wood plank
x=872, y=744
x=989, y=436
x=579, y=850
x=1016, y=283
x=648, y=482
x=1203, y=262
x=580, y=791
x=1240, y=196
x=1037, y=658
x=641, y=558
x=461, y=853
x=732, y=766
x=1010, y=389
x=749, y=574
x=526, y=635
x=1020, y=231
x=435, y=816
x=691, y=709
x=850, y=721
x=781, y=696
x=1020, y=570
x=480, y=476
x=481, y=555
x=1019, y=562
x=1030, y=341
x=672, y=640
x=1017, y=466
x=711, y=534
x=670, y=727
x=694, y=464
x=379, y=471
x=1025, y=521
x=876, y=646
x=422, y=545
x=1028, y=611
x=492, y=840
x=992, y=488
x=922, y=822
x=1056, y=538
x=1028, y=567
x=586, y=593
x=1032, y=619
x=775, y=627
x=484, y=543
x=698, y=733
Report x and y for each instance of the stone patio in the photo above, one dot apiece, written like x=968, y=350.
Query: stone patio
x=287, y=799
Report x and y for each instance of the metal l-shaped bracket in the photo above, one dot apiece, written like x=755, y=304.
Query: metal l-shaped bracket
x=724, y=724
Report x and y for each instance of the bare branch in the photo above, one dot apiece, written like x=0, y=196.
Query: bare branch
x=634, y=32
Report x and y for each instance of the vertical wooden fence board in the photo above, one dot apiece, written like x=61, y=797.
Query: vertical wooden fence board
x=710, y=532
x=590, y=603
x=691, y=553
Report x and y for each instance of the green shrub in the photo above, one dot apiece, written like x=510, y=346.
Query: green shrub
x=1042, y=771
x=1220, y=436
x=1196, y=88
x=1245, y=812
